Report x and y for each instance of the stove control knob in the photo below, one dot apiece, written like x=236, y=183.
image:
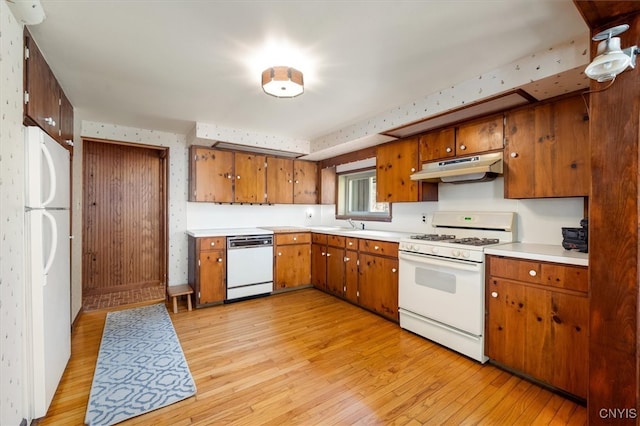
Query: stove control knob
x=434, y=249
x=456, y=253
x=465, y=254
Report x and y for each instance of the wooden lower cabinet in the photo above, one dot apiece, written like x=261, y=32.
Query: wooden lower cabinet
x=538, y=321
x=319, y=261
x=292, y=263
x=378, y=284
x=335, y=270
x=350, y=290
x=207, y=270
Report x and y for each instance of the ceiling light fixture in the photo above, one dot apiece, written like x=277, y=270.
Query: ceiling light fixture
x=611, y=60
x=282, y=82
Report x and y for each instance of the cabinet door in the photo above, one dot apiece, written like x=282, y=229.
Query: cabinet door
x=305, y=182
x=506, y=323
x=557, y=339
x=350, y=290
x=395, y=162
x=335, y=270
x=547, y=151
x=482, y=135
x=438, y=145
x=250, y=178
x=212, y=276
x=43, y=107
x=279, y=180
x=319, y=266
x=328, y=188
x=66, y=121
x=292, y=266
x=378, y=285
x=211, y=175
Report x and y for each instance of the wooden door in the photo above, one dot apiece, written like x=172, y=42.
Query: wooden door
x=335, y=270
x=506, y=323
x=319, y=266
x=279, y=180
x=378, y=285
x=211, y=175
x=438, y=145
x=482, y=135
x=212, y=271
x=250, y=180
x=395, y=162
x=292, y=266
x=43, y=106
x=124, y=238
x=305, y=182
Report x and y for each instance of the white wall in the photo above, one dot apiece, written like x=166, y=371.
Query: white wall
x=12, y=250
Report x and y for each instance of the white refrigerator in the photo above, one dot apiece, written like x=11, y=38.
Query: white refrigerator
x=48, y=268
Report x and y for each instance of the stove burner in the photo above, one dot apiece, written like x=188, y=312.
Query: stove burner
x=433, y=237
x=474, y=241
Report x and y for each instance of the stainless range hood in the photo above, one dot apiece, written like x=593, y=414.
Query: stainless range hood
x=476, y=168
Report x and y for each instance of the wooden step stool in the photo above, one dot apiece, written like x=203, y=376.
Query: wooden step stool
x=180, y=290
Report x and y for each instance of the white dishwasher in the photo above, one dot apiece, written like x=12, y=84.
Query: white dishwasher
x=249, y=266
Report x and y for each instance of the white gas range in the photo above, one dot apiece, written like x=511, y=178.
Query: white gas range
x=441, y=278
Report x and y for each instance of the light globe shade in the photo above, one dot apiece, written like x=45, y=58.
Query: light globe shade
x=282, y=82
x=610, y=62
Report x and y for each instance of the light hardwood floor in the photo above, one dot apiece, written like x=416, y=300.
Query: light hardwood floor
x=307, y=358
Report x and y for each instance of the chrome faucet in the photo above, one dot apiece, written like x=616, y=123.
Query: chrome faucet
x=353, y=225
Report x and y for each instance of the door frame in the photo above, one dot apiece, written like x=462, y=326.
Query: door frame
x=164, y=201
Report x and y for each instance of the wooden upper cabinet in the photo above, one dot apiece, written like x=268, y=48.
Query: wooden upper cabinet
x=486, y=134
x=279, y=180
x=210, y=175
x=395, y=163
x=46, y=105
x=439, y=144
x=305, y=182
x=250, y=178
x=547, y=151
x=328, y=188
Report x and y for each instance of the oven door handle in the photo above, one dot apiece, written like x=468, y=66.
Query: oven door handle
x=449, y=263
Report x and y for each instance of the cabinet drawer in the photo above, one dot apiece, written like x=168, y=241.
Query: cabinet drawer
x=336, y=240
x=293, y=238
x=384, y=248
x=552, y=274
x=212, y=243
x=514, y=269
x=317, y=238
x=351, y=243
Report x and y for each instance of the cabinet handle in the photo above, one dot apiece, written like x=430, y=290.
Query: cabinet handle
x=514, y=154
x=279, y=253
x=350, y=243
x=328, y=254
x=213, y=243
x=413, y=169
x=295, y=238
x=69, y=142
x=324, y=254
x=376, y=247
x=50, y=121
x=289, y=181
x=463, y=147
x=297, y=181
x=448, y=149
x=533, y=273
x=393, y=270
x=219, y=260
x=494, y=294
x=238, y=177
x=346, y=259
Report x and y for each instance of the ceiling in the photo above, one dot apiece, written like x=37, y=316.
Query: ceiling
x=165, y=65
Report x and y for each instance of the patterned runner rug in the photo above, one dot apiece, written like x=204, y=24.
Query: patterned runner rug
x=140, y=367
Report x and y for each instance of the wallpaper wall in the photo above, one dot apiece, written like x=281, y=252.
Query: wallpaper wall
x=12, y=277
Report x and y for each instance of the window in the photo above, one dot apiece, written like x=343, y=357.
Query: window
x=357, y=197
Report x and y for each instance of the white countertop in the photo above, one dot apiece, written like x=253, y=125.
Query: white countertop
x=542, y=252
x=227, y=232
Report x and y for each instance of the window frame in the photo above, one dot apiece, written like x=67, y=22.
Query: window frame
x=342, y=195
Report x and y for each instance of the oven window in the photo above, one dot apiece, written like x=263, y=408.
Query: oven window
x=436, y=280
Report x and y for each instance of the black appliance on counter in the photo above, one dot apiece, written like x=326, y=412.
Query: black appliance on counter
x=577, y=238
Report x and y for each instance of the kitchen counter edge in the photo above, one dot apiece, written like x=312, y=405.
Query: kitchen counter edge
x=542, y=252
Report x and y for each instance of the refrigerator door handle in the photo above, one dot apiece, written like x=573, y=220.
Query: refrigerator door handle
x=54, y=244
x=52, y=174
